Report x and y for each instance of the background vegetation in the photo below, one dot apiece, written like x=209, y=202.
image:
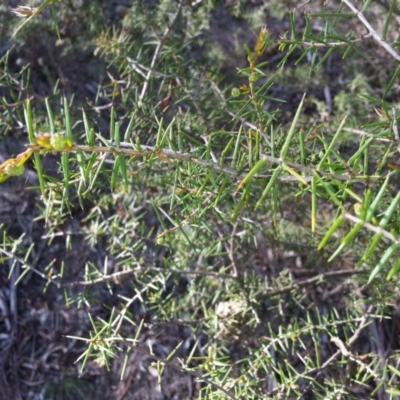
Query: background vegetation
x=199, y=199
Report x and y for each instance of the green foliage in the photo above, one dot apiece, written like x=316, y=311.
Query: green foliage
x=178, y=182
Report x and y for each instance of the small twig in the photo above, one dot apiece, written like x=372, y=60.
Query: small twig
x=363, y=133
x=363, y=323
x=25, y=265
x=372, y=31
x=169, y=363
x=202, y=206
x=15, y=105
x=136, y=67
x=371, y=227
x=312, y=171
x=232, y=250
x=327, y=44
x=314, y=279
x=317, y=370
x=117, y=276
x=140, y=68
x=158, y=49
x=347, y=354
x=396, y=129
x=120, y=318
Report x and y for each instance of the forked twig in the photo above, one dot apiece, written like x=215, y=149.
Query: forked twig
x=372, y=31
x=170, y=363
x=185, y=221
x=158, y=50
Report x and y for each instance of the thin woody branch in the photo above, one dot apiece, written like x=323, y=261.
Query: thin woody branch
x=327, y=44
x=372, y=31
x=166, y=154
